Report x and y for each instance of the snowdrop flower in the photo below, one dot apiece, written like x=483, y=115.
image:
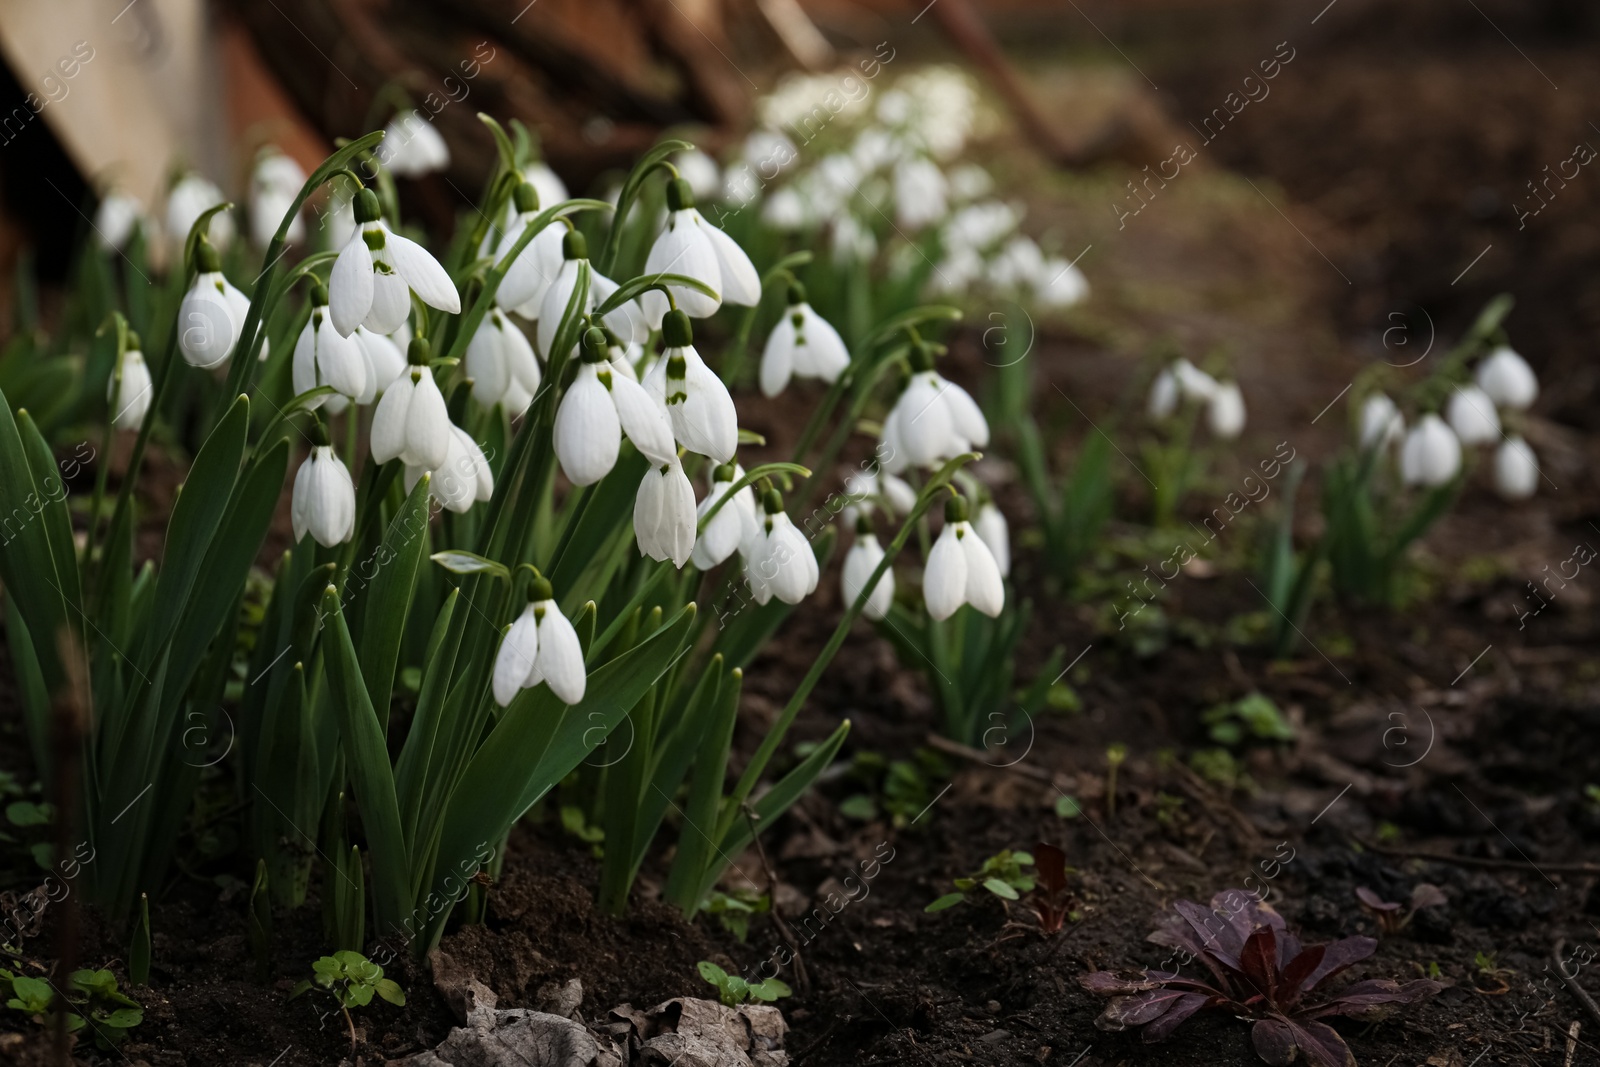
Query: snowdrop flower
x=212, y=312
x=501, y=364
x=597, y=409
x=130, y=399
x=1516, y=469
x=803, y=345
x=323, y=357
x=546, y=182
x=980, y=226
x=383, y=360
x=934, y=420
x=1019, y=265
x=664, y=514
x=541, y=646
x=1472, y=416
x=369, y=282
x=1194, y=383
x=1225, y=412
x=1431, y=454
x=991, y=525
x=530, y=274
x=115, y=219
x=768, y=151
x=868, y=489
x=852, y=242
x=462, y=480
x=859, y=563
x=785, y=210
x=693, y=247
x=1508, y=380
x=1381, y=422
x=411, y=423
x=1163, y=396
x=735, y=526
x=702, y=412
x=1059, y=283
x=700, y=171
x=961, y=569
x=624, y=358
x=274, y=184
x=919, y=193
x=411, y=146
x=191, y=198
x=324, y=501
x=780, y=563
x=627, y=321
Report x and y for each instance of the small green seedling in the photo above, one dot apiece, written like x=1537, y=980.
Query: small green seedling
x=733, y=990
x=733, y=910
x=1001, y=874
x=351, y=980
x=1116, y=756
x=1250, y=717
x=92, y=998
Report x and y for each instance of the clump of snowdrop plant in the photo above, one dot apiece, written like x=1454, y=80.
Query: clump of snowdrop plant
x=1181, y=397
x=511, y=419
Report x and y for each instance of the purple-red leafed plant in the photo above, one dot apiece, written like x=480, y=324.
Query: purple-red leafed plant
x=1259, y=971
x=1389, y=913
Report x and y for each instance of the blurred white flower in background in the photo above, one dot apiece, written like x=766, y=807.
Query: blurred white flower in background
x=1431, y=454
x=1516, y=469
x=1506, y=379
x=1472, y=416
x=1381, y=423
x=274, y=183
x=116, y=217
x=1225, y=412
x=412, y=147
x=190, y=198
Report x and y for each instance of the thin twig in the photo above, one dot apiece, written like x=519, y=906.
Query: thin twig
x=1571, y=981
x=800, y=975
x=976, y=755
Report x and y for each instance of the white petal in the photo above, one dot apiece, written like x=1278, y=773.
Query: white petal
x=531, y=273
x=777, y=359
x=391, y=300
x=1508, y=380
x=991, y=525
x=723, y=534
x=922, y=422
x=350, y=285
x=561, y=655
x=984, y=589
x=706, y=422
x=303, y=368
x=649, y=506
x=423, y=273
x=390, y=419
x=428, y=424
x=1472, y=416
x=825, y=349
x=944, y=580
x=455, y=482
x=587, y=431
x=1225, y=412
x=965, y=416
x=555, y=303
x=1516, y=470
x=740, y=283
x=206, y=323
x=516, y=657
x=486, y=363
x=678, y=518
x=683, y=248
x=789, y=552
x=643, y=419
x=859, y=563
x=384, y=362
x=339, y=362
x=626, y=320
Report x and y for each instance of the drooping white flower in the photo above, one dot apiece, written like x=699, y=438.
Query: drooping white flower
x=702, y=412
x=1196, y=385
x=802, y=345
x=701, y=172
x=115, y=219
x=869, y=489
x=323, y=357
x=1381, y=422
x=1163, y=396
x=191, y=198
x=961, y=569
x=1431, y=453
x=530, y=274
x=785, y=210
x=411, y=422
x=991, y=525
x=734, y=527
x=780, y=562
x=859, y=563
x=1059, y=284
x=693, y=247
x=412, y=146
x=1225, y=413
x=597, y=409
x=1508, y=380
x=1472, y=416
x=130, y=400
x=211, y=314
x=934, y=420
x=274, y=184
x=463, y=479
x=920, y=193
x=1516, y=469
x=979, y=227
x=626, y=320
x=324, y=501
x=664, y=514
x=541, y=646
x=501, y=364
x=383, y=360
x=376, y=270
